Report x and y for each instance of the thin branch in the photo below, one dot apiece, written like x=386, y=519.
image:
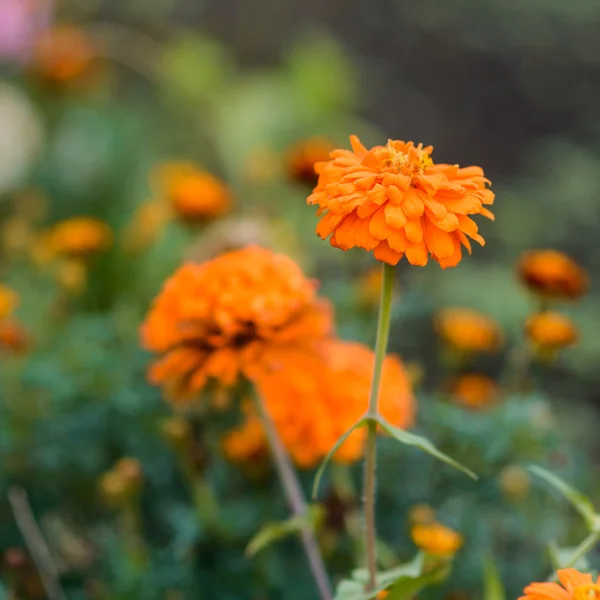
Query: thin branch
x=38, y=548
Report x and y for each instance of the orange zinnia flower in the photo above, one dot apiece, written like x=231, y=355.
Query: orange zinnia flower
x=394, y=200
x=80, y=237
x=468, y=330
x=314, y=402
x=552, y=274
x=240, y=314
x=436, y=539
x=302, y=157
x=8, y=301
x=551, y=330
x=62, y=53
x=575, y=586
x=194, y=194
x=474, y=390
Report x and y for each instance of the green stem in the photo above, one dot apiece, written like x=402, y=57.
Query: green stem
x=590, y=541
x=383, y=330
x=295, y=500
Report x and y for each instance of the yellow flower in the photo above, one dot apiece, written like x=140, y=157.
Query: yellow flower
x=515, y=482
x=72, y=275
x=148, y=221
x=437, y=539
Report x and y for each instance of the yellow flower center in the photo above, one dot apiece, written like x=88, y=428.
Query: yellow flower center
x=412, y=163
x=590, y=591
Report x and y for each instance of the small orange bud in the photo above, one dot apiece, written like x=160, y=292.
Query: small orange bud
x=436, y=539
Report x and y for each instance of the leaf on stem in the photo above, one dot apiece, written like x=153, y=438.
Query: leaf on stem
x=579, y=501
x=410, y=439
x=273, y=532
x=319, y=474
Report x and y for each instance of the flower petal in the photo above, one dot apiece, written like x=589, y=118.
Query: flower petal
x=384, y=253
x=572, y=578
x=414, y=230
x=417, y=254
x=394, y=216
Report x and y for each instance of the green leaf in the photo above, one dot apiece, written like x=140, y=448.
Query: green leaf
x=562, y=556
x=406, y=586
x=273, y=532
x=579, y=500
x=410, y=439
x=492, y=584
x=319, y=474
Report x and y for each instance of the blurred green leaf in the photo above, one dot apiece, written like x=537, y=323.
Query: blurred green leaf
x=319, y=474
x=493, y=588
x=579, y=500
x=410, y=439
x=273, y=532
x=407, y=585
x=194, y=68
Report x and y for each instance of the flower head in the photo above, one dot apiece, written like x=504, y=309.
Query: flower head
x=395, y=201
x=304, y=155
x=80, y=237
x=551, y=331
x=240, y=314
x=552, y=274
x=8, y=301
x=62, y=53
x=437, y=539
x=574, y=586
x=468, y=330
x=194, y=194
x=315, y=401
x=246, y=444
x=515, y=482
x=421, y=513
x=474, y=391
x=147, y=222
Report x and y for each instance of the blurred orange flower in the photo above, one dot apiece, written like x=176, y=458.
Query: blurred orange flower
x=394, y=200
x=8, y=301
x=80, y=237
x=302, y=157
x=552, y=274
x=574, y=586
x=241, y=314
x=314, y=402
x=195, y=195
x=474, y=390
x=468, y=330
x=13, y=338
x=62, y=53
x=551, y=330
x=436, y=538
x=72, y=276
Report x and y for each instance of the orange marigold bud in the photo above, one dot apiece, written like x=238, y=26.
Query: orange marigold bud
x=8, y=301
x=551, y=331
x=552, y=274
x=436, y=539
x=302, y=157
x=395, y=201
x=80, y=237
x=243, y=313
x=195, y=195
x=468, y=330
x=62, y=54
x=475, y=391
